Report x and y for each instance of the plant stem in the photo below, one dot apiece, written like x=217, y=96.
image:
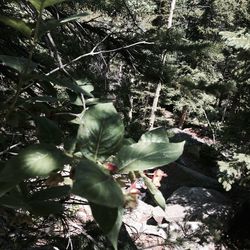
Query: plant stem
x=25, y=71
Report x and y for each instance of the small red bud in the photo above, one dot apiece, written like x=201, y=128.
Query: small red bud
x=111, y=167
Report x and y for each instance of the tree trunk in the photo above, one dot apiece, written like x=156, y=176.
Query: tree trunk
x=154, y=106
x=183, y=117
x=170, y=18
x=159, y=85
x=130, y=113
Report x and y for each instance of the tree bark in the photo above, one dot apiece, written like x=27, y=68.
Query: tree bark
x=183, y=117
x=130, y=113
x=170, y=18
x=159, y=85
x=154, y=106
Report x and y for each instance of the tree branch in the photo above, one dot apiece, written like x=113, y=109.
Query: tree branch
x=93, y=53
x=9, y=148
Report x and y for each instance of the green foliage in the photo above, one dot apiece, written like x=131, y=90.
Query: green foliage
x=110, y=221
x=101, y=132
x=100, y=127
x=13, y=200
x=91, y=180
x=147, y=155
x=92, y=183
x=114, y=233
x=52, y=24
x=237, y=40
x=235, y=171
x=35, y=160
x=48, y=131
x=17, y=63
x=17, y=24
x=103, y=135
x=55, y=91
x=38, y=205
x=154, y=191
x=41, y=4
x=155, y=136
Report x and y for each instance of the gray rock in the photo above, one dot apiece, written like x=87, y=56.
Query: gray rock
x=197, y=195
x=200, y=204
x=191, y=169
x=195, y=218
x=136, y=220
x=180, y=175
x=189, y=136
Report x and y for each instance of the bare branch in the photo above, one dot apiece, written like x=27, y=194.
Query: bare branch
x=93, y=53
x=9, y=148
x=210, y=125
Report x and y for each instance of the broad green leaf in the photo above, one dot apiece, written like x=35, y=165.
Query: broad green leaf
x=157, y=135
x=8, y=180
x=78, y=101
x=35, y=160
x=17, y=63
x=45, y=208
x=49, y=25
x=13, y=202
x=109, y=220
x=47, y=3
x=92, y=183
x=48, y=87
x=104, y=216
x=86, y=86
x=37, y=4
x=63, y=82
x=87, y=89
x=41, y=4
x=51, y=193
x=17, y=24
x=92, y=101
x=128, y=142
x=154, y=191
x=147, y=155
x=14, y=199
x=102, y=131
x=6, y=186
x=114, y=233
x=39, y=207
x=69, y=145
x=48, y=131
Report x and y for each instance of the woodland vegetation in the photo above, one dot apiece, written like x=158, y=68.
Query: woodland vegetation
x=89, y=91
